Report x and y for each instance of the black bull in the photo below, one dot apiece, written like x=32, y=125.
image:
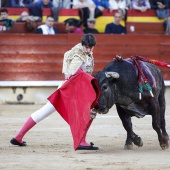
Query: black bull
x=119, y=85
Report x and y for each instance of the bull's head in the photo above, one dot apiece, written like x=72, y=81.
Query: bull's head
x=107, y=97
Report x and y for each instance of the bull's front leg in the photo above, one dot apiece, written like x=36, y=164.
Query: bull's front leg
x=128, y=143
x=131, y=136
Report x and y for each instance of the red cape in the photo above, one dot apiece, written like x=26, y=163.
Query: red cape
x=74, y=100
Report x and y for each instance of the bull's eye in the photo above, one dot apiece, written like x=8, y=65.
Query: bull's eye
x=104, y=87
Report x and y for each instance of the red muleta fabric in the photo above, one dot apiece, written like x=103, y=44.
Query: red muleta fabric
x=74, y=100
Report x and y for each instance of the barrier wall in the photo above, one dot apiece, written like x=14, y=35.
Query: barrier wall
x=39, y=57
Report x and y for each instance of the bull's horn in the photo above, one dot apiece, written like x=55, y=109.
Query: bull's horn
x=112, y=74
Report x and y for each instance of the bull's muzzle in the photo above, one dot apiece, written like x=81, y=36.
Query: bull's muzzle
x=101, y=110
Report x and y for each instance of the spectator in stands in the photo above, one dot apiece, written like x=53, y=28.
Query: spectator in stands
x=36, y=8
x=47, y=28
x=161, y=7
x=77, y=22
x=159, y=4
x=121, y=5
x=72, y=28
x=117, y=4
x=141, y=5
x=59, y=4
x=90, y=26
x=19, y=3
x=31, y=21
x=25, y=17
x=115, y=27
x=90, y=8
x=100, y=6
x=66, y=4
x=8, y=23
x=86, y=9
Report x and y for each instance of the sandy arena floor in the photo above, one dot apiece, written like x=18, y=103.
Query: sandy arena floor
x=50, y=143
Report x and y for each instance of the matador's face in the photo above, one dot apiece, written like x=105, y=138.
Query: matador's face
x=87, y=49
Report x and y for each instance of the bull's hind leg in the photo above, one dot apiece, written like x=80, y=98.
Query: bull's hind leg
x=131, y=136
x=161, y=100
x=158, y=124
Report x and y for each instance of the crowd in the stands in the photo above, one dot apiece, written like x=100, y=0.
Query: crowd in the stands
x=88, y=11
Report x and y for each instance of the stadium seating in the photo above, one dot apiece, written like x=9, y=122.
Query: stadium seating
x=20, y=27
x=141, y=20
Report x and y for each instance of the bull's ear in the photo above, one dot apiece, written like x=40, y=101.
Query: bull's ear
x=112, y=74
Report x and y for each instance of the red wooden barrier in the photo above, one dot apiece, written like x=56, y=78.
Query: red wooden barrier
x=39, y=57
x=145, y=28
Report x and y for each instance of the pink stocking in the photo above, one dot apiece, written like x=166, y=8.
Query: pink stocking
x=83, y=142
x=27, y=126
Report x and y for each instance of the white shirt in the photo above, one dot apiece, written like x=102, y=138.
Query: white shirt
x=47, y=30
x=114, y=5
x=77, y=3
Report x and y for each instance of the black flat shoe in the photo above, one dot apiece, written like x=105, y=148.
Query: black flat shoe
x=91, y=147
x=15, y=142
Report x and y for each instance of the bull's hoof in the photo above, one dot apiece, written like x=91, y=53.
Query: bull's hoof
x=128, y=147
x=141, y=143
x=138, y=142
x=165, y=146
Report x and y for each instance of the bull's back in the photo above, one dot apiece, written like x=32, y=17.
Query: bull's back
x=129, y=74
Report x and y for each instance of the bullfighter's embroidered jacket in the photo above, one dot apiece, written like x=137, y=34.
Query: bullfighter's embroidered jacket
x=76, y=58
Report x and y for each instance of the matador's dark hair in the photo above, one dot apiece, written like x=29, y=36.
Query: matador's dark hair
x=88, y=40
